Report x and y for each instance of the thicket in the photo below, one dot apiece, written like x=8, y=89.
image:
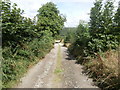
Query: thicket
x=96, y=44
x=25, y=40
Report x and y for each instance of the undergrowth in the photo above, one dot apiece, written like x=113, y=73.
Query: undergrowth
x=104, y=70
x=15, y=65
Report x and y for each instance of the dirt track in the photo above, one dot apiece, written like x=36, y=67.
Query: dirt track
x=56, y=70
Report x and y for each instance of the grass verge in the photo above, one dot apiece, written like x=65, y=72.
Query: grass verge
x=58, y=70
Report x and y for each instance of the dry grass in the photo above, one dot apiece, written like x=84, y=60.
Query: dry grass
x=67, y=44
x=104, y=70
x=111, y=61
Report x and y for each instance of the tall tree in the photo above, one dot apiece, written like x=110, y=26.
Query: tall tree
x=95, y=25
x=117, y=23
x=95, y=18
x=107, y=25
x=6, y=25
x=50, y=19
x=16, y=29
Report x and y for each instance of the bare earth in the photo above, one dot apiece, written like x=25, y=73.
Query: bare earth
x=43, y=75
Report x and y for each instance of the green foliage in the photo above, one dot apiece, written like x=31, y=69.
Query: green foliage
x=117, y=24
x=95, y=18
x=95, y=26
x=14, y=65
x=26, y=41
x=16, y=29
x=68, y=34
x=107, y=24
x=50, y=19
x=101, y=27
x=79, y=47
x=94, y=40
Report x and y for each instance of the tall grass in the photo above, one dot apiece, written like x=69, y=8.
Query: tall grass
x=104, y=70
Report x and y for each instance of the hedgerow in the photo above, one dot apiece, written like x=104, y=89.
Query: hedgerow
x=25, y=40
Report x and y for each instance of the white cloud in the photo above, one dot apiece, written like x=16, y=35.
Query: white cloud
x=73, y=1
x=30, y=6
x=73, y=21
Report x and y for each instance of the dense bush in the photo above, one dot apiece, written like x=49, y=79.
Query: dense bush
x=15, y=65
x=82, y=38
x=26, y=41
x=99, y=35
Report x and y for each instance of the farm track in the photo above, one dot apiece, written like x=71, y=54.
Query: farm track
x=56, y=70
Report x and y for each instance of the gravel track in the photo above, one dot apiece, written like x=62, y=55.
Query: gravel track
x=42, y=74
x=73, y=76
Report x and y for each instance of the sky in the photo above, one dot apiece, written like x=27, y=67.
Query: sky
x=74, y=10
